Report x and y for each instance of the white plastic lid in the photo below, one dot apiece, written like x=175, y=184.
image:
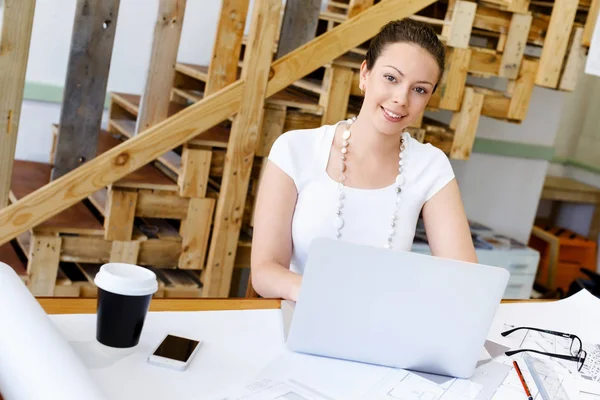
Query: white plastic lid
x=126, y=279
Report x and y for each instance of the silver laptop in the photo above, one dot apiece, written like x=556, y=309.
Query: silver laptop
x=392, y=308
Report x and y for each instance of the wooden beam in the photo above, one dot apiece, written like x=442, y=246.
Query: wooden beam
x=154, y=105
x=192, y=121
x=462, y=24
x=195, y=233
x=590, y=23
x=555, y=43
x=241, y=148
x=522, y=91
x=222, y=69
x=357, y=6
x=299, y=25
x=125, y=251
x=42, y=268
x=193, y=177
x=452, y=84
x=17, y=22
x=575, y=62
x=464, y=136
x=85, y=87
x=272, y=128
x=515, y=45
x=120, y=213
x=336, y=94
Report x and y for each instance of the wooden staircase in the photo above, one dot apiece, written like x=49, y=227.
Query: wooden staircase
x=172, y=186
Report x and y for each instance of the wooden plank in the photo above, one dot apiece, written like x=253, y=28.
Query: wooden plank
x=357, y=6
x=575, y=62
x=125, y=251
x=196, y=232
x=272, y=128
x=241, y=149
x=523, y=89
x=222, y=70
x=299, y=25
x=85, y=87
x=28, y=177
x=85, y=249
x=157, y=204
x=42, y=268
x=17, y=21
x=193, y=178
x=496, y=106
x=337, y=94
x=146, y=177
x=515, y=45
x=484, y=63
x=197, y=118
x=159, y=253
x=555, y=43
x=120, y=213
x=464, y=136
x=515, y=6
x=452, y=85
x=590, y=23
x=88, y=306
x=156, y=96
x=462, y=24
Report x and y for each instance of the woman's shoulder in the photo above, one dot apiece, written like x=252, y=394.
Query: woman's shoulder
x=424, y=153
x=298, y=152
x=303, y=139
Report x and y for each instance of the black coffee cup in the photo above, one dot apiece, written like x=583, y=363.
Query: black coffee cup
x=124, y=294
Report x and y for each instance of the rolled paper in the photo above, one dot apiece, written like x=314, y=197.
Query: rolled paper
x=36, y=362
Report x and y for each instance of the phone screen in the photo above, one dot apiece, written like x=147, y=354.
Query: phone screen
x=176, y=348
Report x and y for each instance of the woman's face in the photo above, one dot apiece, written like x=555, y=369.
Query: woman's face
x=398, y=87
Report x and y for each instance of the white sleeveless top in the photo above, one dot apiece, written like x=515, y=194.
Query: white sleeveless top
x=304, y=154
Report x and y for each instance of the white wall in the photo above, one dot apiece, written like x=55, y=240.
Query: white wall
x=49, y=52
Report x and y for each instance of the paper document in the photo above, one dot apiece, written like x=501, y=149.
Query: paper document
x=325, y=378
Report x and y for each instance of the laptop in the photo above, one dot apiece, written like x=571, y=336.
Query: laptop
x=393, y=308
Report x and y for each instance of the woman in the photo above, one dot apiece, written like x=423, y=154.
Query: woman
x=363, y=180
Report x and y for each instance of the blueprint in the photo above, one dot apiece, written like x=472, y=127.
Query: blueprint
x=302, y=377
x=529, y=339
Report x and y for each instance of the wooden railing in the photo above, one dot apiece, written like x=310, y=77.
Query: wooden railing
x=192, y=121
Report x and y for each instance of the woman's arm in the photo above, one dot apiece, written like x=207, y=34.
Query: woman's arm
x=272, y=236
x=446, y=225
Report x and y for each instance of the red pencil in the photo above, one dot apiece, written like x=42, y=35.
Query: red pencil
x=527, y=392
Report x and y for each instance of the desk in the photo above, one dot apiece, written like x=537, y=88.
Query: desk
x=58, y=305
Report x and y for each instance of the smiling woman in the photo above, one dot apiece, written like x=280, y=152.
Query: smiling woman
x=364, y=180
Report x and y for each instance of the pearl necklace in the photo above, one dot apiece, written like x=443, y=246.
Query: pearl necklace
x=400, y=180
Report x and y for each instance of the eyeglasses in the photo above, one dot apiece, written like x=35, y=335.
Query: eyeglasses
x=577, y=353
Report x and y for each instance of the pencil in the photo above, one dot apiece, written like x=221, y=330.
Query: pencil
x=527, y=392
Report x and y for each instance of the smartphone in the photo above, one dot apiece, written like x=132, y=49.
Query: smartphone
x=175, y=352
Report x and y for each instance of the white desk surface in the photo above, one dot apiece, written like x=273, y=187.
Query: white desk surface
x=237, y=346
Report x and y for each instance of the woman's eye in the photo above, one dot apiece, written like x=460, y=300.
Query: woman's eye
x=390, y=78
x=421, y=90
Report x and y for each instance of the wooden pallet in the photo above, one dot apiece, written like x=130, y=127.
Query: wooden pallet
x=77, y=235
